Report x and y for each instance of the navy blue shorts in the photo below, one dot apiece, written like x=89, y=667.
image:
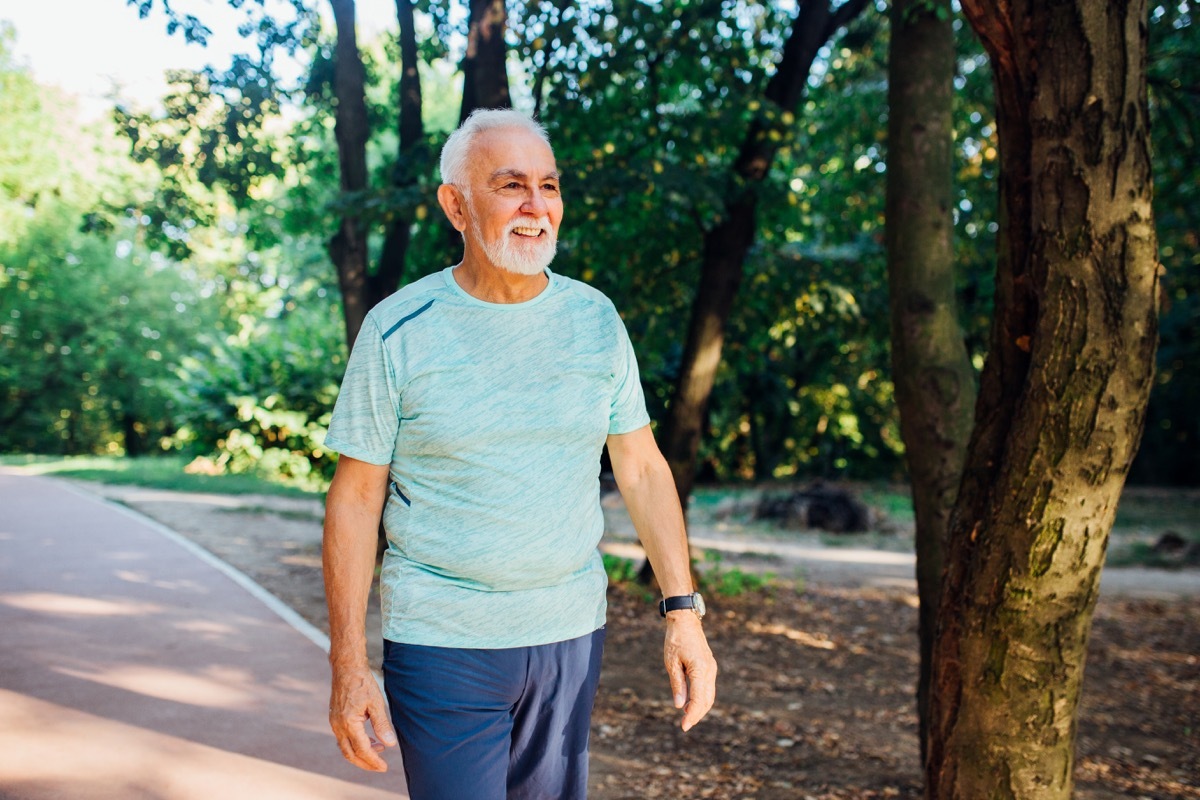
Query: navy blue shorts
x=508, y=724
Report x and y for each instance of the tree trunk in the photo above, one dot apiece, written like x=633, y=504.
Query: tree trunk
x=134, y=442
x=726, y=244
x=348, y=247
x=411, y=159
x=1062, y=398
x=934, y=380
x=485, y=76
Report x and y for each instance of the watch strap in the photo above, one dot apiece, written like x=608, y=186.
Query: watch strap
x=676, y=603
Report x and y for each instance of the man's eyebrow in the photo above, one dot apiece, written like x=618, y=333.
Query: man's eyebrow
x=517, y=174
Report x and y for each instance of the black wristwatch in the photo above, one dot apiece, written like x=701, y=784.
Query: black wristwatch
x=693, y=601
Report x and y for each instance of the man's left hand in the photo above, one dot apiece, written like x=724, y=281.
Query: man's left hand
x=690, y=666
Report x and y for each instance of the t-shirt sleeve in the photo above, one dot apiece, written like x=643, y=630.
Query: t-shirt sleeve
x=366, y=416
x=628, y=410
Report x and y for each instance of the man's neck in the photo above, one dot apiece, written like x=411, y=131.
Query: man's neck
x=491, y=284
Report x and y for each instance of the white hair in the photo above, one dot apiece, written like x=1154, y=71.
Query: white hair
x=456, y=151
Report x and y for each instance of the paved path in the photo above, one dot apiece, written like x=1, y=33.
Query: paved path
x=132, y=666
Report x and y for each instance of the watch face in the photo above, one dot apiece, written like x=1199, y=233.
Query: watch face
x=698, y=604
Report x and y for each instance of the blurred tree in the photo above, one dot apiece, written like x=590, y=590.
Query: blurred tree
x=91, y=324
x=29, y=171
x=214, y=144
x=484, y=65
x=1062, y=398
x=934, y=379
x=412, y=162
x=735, y=227
x=647, y=108
x=93, y=328
x=348, y=247
x=647, y=105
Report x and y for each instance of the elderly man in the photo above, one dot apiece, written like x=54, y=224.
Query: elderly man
x=472, y=416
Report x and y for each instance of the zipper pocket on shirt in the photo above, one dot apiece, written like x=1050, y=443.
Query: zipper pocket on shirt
x=400, y=494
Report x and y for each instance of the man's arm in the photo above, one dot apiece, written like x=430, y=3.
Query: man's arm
x=649, y=491
x=352, y=511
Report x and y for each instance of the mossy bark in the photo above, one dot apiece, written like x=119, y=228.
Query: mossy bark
x=931, y=370
x=1062, y=397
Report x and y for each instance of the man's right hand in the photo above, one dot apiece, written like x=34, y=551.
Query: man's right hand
x=355, y=701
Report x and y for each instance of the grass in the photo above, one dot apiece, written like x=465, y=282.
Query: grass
x=716, y=578
x=158, y=472
x=894, y=501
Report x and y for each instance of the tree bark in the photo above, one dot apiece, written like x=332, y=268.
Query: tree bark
x=410, y=161
x=485, y=75
x=727, y=243
x=1062, y=398
x=931, y=370
x=348, y=247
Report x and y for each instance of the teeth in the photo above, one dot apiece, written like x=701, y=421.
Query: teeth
x=527, y=231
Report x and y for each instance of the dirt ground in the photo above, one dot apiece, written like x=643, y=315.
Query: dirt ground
x=815, y=696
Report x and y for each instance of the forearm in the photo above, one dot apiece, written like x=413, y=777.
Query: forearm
x=352, y=516
x=653, y=504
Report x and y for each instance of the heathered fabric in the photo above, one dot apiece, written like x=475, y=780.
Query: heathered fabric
x=492, y=418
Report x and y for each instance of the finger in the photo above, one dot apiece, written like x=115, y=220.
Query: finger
x=349, y=755
x=357, y=748
x=381, y=722
x=678, y=682
x=702, y=695
x=694, y=712
x=366, y=756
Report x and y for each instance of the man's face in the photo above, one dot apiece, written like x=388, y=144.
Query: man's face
x=513, y=205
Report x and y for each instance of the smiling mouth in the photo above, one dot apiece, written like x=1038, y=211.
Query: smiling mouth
x=529, y=233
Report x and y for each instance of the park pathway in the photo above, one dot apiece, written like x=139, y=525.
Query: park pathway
x=132, y=665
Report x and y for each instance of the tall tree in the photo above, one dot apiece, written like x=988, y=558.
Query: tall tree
x=1062, y=398
x=348, y=247
x=727, y=243
x=931, y=370
x=411, y=160
x=485, y=75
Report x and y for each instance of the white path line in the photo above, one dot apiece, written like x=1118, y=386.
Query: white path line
x=285, y=612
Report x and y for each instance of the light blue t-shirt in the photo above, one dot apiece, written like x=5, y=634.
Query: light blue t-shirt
x=492, y=418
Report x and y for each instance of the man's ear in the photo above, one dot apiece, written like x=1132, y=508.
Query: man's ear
x=453, y=204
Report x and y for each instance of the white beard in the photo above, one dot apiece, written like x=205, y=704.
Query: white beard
x=524, y=257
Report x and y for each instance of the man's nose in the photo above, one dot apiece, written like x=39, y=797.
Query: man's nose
x=535, y=204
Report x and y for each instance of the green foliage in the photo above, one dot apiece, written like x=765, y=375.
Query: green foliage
x=29, y=172
x=259, y=399
x=210, y=148
x=648, y=107
x=213, y=228
x=715, y=578
x=92, y=329
x=619, y=570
